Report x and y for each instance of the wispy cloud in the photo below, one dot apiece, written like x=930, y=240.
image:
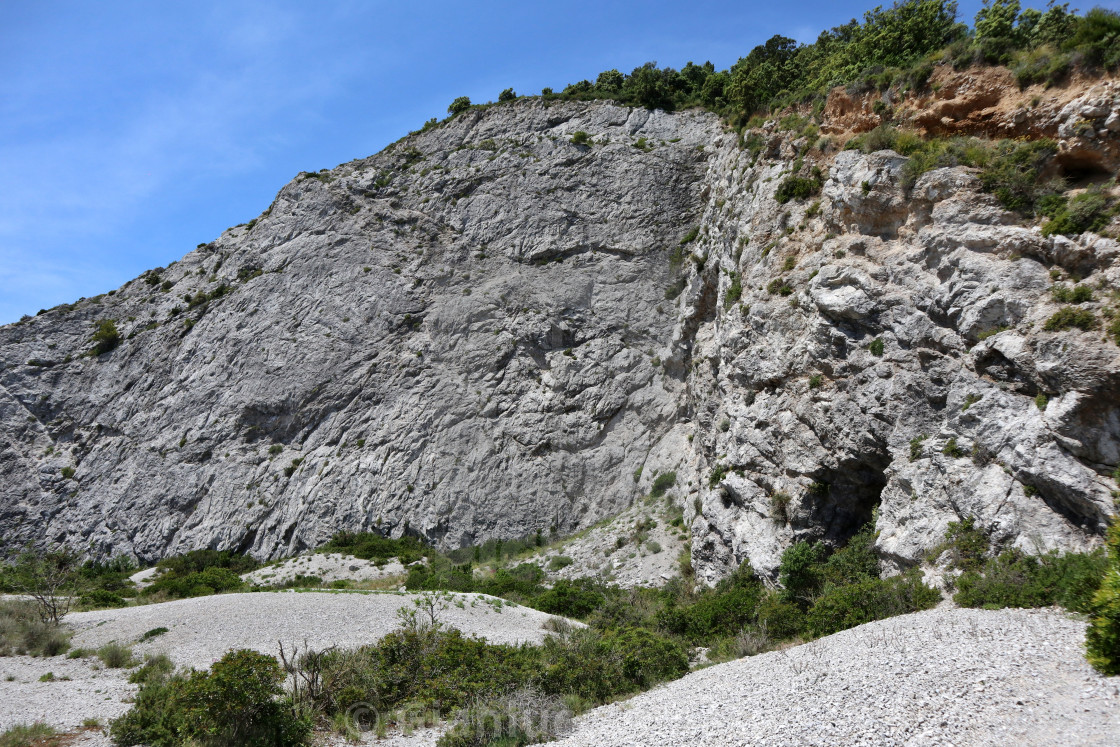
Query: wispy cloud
x=85, y=171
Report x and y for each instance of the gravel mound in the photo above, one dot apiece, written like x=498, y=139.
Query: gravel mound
x=202, y=629
x=941, y=677
x=327, y=566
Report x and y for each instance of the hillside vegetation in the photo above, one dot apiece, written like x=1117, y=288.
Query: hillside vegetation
x=897, y=46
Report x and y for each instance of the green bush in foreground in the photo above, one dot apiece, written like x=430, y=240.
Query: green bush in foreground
x=239, y=701
x=1102, y=640
x=22, y=735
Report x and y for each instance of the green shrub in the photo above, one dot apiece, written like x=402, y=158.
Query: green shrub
x=569, y=598
x=22, y=735
x=579, y=137
x=855, y=562
x=779, y=618
x=662, y=483
x=212, y=580
x=967, y=544
x=1097, y=37
x=106, y=337
x=796, y=188
x=719, y=611
x=1089, y=211
x=507, y=95
x=156, y=668
x=779, y=505
x=1069, y=318
x=559, y=562
x=734, y=291
x=952, y=449
x=876, y=347
x=799, y=572
x=779, y=287
x=1014, y=171
x=101, y=599
x=842, y=607
x=916, y=447
x=646, y=657
x=237, y=702
x=1077, y=294
x=1014, y=579
x=1102, y=640
x=24, y=632
x=1045, y=64
x=115, y=656
x=375, y=547
x=459, y=105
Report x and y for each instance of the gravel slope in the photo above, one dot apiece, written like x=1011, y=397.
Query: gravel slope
x=202, y=629
x=941, y=677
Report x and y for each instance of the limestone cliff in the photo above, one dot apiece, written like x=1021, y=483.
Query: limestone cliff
x=490, y=327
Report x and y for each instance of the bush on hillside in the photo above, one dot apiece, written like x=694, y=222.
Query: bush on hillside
x=105, y=337
x=842, y=607
x=212, y=580
x=1014, y=579
x=378, y=548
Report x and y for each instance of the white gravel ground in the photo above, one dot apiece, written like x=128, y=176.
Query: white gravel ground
x=941, y=677
x=91, y=692
x=201, y=630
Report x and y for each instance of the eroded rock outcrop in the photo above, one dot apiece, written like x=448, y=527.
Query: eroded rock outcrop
x=487, y=329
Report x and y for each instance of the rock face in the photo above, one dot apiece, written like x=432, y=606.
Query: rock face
x=455, y=336
x=487, y=329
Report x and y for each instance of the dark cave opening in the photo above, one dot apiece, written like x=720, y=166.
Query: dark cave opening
x=842, y=502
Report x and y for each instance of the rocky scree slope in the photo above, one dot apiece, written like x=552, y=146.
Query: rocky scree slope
x=486, y=329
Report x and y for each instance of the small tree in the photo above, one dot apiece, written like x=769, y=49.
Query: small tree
x=52, y=579
x=507, y=95
x=105, y=337
x=459, y=105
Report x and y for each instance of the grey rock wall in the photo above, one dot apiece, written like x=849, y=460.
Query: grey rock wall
x=485, y=330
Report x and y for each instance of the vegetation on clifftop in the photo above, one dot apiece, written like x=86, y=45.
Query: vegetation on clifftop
x=899, y=46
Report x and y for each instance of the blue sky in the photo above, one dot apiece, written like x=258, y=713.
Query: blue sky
x=132, y=131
